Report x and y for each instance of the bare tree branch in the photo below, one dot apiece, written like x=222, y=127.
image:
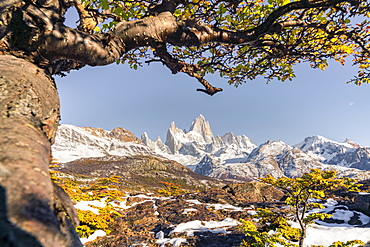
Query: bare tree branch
x=179, y=66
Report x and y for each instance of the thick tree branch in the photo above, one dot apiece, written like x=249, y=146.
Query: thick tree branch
x=102, y=49
x=268, y=24
x=67, y=43
x=63, y=43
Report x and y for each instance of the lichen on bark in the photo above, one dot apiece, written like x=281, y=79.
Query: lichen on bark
x=29, y=116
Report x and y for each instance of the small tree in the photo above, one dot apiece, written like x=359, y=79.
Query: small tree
x=273, y=229
x=300, y=191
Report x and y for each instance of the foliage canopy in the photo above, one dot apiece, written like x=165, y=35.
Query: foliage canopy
x=237, y=39
x=285, y=32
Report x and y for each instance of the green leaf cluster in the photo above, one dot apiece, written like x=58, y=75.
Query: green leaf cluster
x=337, y=33
x=300, y=192
x=273, y=229
x=314, y=184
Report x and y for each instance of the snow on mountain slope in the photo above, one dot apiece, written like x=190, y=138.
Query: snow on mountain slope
x=238, y=157
x=273, y=157
x=322, y=148
x=347, y=154
x=227, y=156
x=190, y=147
x=158, y=146
x=73, y=142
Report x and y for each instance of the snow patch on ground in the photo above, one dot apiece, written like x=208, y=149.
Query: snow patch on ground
x=217, y=206
x=205, y=226
x=188, y=210
x=90, y=205
x=321, y=233
x=340, y=213
x=95, y=235
x=324, y=235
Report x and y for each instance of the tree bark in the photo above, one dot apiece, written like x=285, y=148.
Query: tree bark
x=29, y=115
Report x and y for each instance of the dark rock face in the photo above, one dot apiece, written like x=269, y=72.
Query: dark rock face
x=359, y=158
x=358, y=201
x=362, y=204
x=208, y=239
x=205, y=166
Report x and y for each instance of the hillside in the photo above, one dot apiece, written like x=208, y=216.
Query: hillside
x=140, y=205
x=139, y=172
x=137, y=192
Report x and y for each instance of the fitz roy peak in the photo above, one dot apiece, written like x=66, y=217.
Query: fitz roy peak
x=226, y=156
x=190, y=147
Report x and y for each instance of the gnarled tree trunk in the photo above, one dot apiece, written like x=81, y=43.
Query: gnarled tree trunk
x=30, y=211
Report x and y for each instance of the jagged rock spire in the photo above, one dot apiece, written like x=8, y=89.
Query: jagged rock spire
x=203, y=127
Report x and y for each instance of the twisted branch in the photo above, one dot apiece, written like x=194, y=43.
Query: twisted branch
x=176, y=66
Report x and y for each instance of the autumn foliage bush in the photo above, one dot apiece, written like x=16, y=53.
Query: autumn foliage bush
x=98, y=189
x=271, y=228
x=171, y=189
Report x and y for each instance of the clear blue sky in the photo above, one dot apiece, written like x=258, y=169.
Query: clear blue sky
x=150, y=98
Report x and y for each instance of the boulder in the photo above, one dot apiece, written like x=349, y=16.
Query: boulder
x=255, y=192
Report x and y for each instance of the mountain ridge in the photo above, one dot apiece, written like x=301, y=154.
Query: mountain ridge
x=226, y=156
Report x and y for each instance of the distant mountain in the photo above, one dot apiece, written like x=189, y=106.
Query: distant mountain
x=73, y=143
x=272, y=157
x=347, y=154
x=227, y=156
x=237, y=157
x=190, y=147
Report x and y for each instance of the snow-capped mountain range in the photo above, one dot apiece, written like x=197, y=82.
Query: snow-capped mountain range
x=73, y=143
x=227, y=156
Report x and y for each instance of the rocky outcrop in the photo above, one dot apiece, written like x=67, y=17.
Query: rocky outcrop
x=158, y=146
x=171, y=141
x=202, y=127
x=255, y=192
x=205, y=166
x=359, y=201
x=119, y=134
